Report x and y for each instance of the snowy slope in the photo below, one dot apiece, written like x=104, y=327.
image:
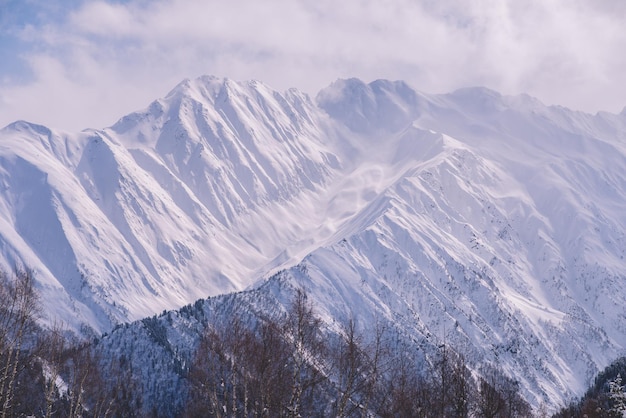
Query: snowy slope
x=492, y=222
x=506, y=236
x=185, y=199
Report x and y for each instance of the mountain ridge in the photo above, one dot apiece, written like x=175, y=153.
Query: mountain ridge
x=493, y=222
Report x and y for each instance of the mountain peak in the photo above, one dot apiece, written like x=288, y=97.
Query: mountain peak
x=24, y=126
x=209, y=87
x=476, y=92
x=381, y=105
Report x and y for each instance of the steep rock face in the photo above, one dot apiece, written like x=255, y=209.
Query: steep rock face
x=491, y=222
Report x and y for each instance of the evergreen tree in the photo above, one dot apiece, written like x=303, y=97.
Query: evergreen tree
x=617, y=398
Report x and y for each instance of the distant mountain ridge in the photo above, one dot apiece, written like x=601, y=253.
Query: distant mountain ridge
x=492, y=222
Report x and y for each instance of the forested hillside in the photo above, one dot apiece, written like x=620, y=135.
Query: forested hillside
x=238, y=364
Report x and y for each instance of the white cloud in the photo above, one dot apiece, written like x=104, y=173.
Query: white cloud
x=109, y=58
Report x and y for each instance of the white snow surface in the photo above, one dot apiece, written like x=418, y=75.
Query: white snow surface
x=492, y=222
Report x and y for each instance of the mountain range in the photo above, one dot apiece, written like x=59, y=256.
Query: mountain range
x=493, y=223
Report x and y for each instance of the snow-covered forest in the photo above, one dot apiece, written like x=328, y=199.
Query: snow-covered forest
x=247, y=365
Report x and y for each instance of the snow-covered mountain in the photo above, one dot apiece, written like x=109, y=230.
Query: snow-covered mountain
x=191, y=197
x=494, y=223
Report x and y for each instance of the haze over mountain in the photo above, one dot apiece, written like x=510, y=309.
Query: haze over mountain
x=492, y=222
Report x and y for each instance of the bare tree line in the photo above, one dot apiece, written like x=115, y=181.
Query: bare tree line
x=282, y=367
x=288, y=368
x=43, y=372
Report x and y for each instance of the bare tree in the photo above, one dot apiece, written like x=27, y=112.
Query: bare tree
x=302, y=330
x=209, y=376
x=19, y=307
x=52, y=346
x=87, y=392
x=378, y=363
x=408, y=394
x=271, y=369
x=462, y=388
x=499, y=396
x=490, y=401
x=350, y=365
x=241, y=371
x=267, y=356
x=452, y=384
x=122, y=390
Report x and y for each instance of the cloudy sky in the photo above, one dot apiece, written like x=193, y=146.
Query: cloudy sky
x=72, y=64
